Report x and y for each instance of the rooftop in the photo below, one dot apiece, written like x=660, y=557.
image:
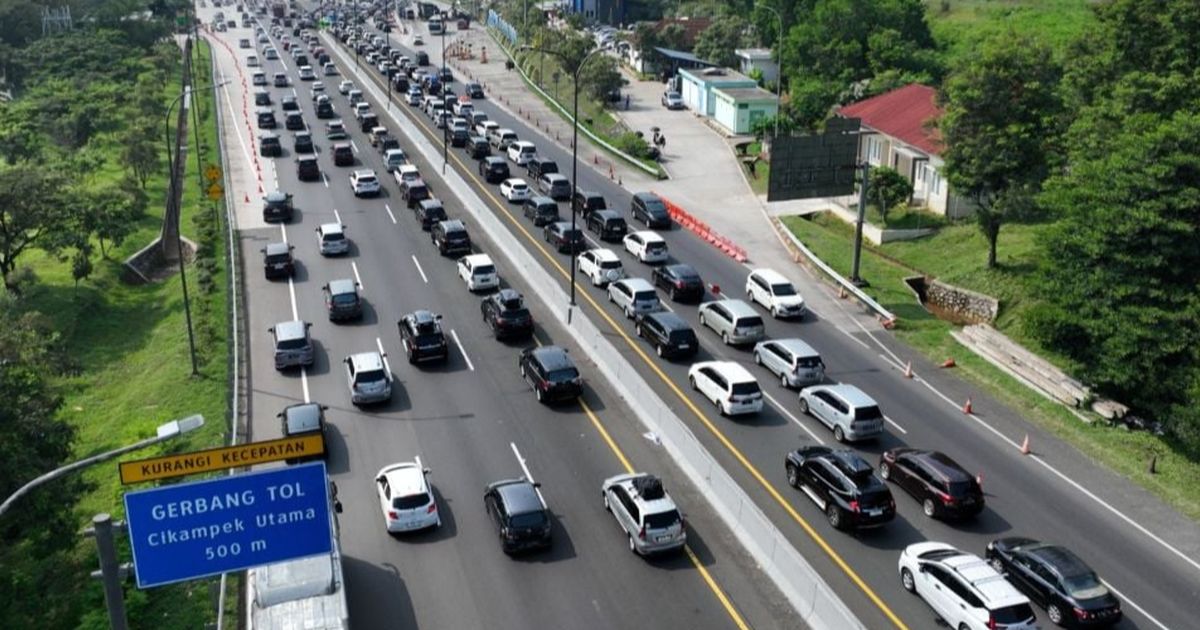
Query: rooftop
x=904, y=114
x=754, y=53
x=748, y=94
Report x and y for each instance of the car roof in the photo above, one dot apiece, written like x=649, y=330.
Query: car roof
x=294, y=329
x=647, y=196
x=405, y=478
x=636, y=284
x=430, y=203
x=604, y=254
x=669, y=321
x=552, y=177
x=506, y=295
x=513, y=181
x=477, y=259
x=770, y=276
x=541, y=200
x=519, y=496
x=987, y=581
x=276, y=195
x=342, y=285
x=797, y=347
x=648, y=506
x=732, y=370
x=302, y=418
x=364, y=172
x=649, y=236
x=367, y=361
x=738, y=308
x=851, y=394
x=274, y=249
x=331, y=228
x=552, y=357
x=607, y=214
x=681, y=269
x=1060, y=559
x=452, y=225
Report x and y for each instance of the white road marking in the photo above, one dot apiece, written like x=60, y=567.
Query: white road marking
x=460, y=349
x=354, y=146
x=853, y=338
x=386, y=365
x=525, y=469
x=787, y=413
x=895, y=424
x=1126, y=599
x=419, y=270
x=357, y=278
x=325, y=179
x=389, y=211
x=295, y=316
x=337, y=216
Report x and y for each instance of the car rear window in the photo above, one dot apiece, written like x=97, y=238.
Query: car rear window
x=277, y=258
x=610, y=264
x=335, y=236
x=371, y=376
x=345, y=299
x=784, y=288
x=645, y=296
x=655, y=246
x=808, y=362
x=562, y=374
x=682, y=336
x=1012, y=614
x=960, y=488
x=662, y=520
x=483, y=269
x=749, y=322
x=528, y=519
x=745, y=389
x=870, y=412
x=292, y=344
x=411, y=501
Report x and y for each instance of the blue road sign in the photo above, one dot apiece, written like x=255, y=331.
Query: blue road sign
x=192, y=530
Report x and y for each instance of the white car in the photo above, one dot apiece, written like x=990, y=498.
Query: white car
x=463, y=108
x=731, y=387
x=601, y=266
x=307, y=74
x=486, y=127
x=393, y=159
x=515, y=189
x=479, y=272
x=646, y=246
x=368, y=377
x=963, y=589
x=252, y=61
x=318, y=89
x=775, y=292
x=270, y=53
x=345, y=86
x=521, y=151
x=331, y=239
x=407, y=173
x=414, y=96
x=365, y=183
x=407, y=502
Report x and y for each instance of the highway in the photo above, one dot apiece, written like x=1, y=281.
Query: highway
x=472, y=420
x=1148, y=556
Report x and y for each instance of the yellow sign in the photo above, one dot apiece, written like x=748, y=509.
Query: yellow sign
x=215, y=191
x=212, y=173
x=168, y=466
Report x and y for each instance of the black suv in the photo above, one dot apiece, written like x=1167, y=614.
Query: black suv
x=342, y=300
x=563, y=237
x=650, y=209
x=451, y=237
x=277, y=206
x=505, y=313
x=293, y=121
x=277, y=260
x=538, y=166
x=551, y=373
x=842, y=484
x=945, y=489
x=541, y=209
x=422, y=337
x=303, y=143
x=493, y=169
x=478, y=147
x=520, y=516
x=1057, y=580
x=307, y=168
x=680, y=281
x=325, y=110
x=609, y=225
x=669, y=333
x=343, y=154
x=414, y=192
x=474, y=90
x=429, y=212
x=289, y=103
x=269, y=145
x=585, y=202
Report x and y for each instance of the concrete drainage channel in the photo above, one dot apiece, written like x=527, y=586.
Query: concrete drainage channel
x=813, y=600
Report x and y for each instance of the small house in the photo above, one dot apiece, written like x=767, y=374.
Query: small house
x=697, y=85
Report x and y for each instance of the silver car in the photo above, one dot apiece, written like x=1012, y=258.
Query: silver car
x=850, y=412
x=736, y=321
x=368, y=378
x=634, y=296
x=793, y=361
x=293, y=347
x=646, y=512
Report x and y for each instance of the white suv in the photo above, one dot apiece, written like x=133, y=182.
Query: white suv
x=364, y=183
x=963, y=589
x=369, y=379
x=601, y=266
x=478, y=271
x=775, y=292
x=407, y=502
x=331, y=239
x=731, y=387
x=645, y=511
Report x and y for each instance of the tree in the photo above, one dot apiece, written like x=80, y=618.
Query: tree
x=139, y=150
x=718, y=42
x=1002, y=116
x=673, y=36
x=31, y=211
x=1122, y=266
x=600, y=77
x=889, y=189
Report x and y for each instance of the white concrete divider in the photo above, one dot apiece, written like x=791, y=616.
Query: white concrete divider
x=813, y=600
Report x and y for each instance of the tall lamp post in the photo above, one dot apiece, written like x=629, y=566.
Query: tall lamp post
x=442, y=81
x=779, y=74
x=173, y=209
x=574, y=139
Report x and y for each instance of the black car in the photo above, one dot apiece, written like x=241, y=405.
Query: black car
x=277, y=206
x=493, y=169
x=342, y=300
x=680, y=281
x=505, y=313
x=585, y=202
x=429, y=212
x=669, y=333
x=450, y=237
x=458, y=137
x=945, y=489
x=422, y=336
x=551, y=373
x=650, y=209
x=303, y=143
x=325, y=110
x=343, y=154
x=269, y=145
x=563, y=237
x=538, y=166
x=422, y=58
x=474, y=90
x=368, y=122
x=400, y=82
x=307, y=168
x=277, y=260
x=520, y=516
x=387, y=142
x=842, y=484
x=289, y=103
x=293, y=121
x=1056, y=579
x=446, y=75
x=541, y=209
x=609, y=225
x=478, y=147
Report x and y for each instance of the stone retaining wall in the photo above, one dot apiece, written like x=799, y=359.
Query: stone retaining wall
x=968, y=305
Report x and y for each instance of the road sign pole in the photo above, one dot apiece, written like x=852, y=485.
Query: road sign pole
x=110, y=570
x=858, y=226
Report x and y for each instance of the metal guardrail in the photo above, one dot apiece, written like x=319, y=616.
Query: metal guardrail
x=886, y=317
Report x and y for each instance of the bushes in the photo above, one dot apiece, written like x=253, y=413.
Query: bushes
x=634, y=144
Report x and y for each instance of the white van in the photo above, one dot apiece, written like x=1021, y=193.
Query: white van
x=521, y=151
x=775, y=292
x=731, y=387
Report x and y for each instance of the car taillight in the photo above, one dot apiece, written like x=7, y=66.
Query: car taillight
x=432, y=508
x=1081, y=614
x=642, y=533
x=679, y=284
x=393, y=515
x=854, y=506
x=992, y=623
x=543, y=385
x=947, y=499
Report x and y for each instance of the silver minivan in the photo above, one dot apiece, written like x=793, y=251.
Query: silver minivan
x=293, y=347
x=736, y=321
x=848, y=410
x=635, y=296
x=642, y=507
x=795, y=362
x=368, y=378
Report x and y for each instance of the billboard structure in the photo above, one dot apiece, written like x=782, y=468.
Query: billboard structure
x=803, y=167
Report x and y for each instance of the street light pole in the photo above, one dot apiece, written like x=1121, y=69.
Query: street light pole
x=445, y=127
x=779, y=64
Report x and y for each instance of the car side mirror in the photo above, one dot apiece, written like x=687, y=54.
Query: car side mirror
x=437, y=318
x=537, y=484
x=427, y=471
x=337, y=506
x=271, y=329
x=263, y=250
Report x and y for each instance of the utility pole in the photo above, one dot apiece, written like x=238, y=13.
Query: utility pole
x=858, y=226
x=111, y=571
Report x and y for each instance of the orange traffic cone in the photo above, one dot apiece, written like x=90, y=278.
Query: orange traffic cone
x=908, y=373
x=1025, y=445
x=967, y=407
x=949, y=362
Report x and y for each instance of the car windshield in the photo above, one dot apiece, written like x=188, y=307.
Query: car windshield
x=291, y=344
x=654, y=206
x=370, y=376
x=870, y=412
x=562, y=375
x=662, y=520
x=345, y=299
x=745, y=389
x=528, y=519
x=808, y=362
x=411, y=501
x=1084, y=586
x=783, y=288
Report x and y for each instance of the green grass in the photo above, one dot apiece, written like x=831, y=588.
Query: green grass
x=966, y=22
x=132, y=345
x=905, y=218
x=956, y=254
x=762, y=170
